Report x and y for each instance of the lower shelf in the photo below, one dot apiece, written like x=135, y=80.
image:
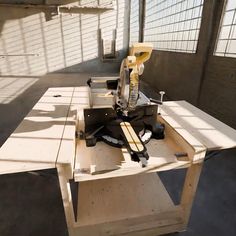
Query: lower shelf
x=125, y=205
x=158, y=224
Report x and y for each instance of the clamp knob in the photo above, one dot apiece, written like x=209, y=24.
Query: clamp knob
x=162, y=93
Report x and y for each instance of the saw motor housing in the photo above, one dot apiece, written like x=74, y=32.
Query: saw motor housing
x=119, y=113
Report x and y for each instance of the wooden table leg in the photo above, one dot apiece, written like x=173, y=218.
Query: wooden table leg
x=66, y=195
x=189, y=189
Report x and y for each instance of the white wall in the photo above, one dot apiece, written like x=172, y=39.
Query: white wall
x=30, y=45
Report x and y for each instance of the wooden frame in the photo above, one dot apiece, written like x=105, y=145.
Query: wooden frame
x=116, y=196
x=135, y=205
x=123, y=201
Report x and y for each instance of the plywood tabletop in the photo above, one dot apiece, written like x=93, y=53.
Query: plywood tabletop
x=189, y=120
x=45, y=135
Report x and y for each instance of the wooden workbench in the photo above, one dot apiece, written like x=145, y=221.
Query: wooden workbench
x=116, y=196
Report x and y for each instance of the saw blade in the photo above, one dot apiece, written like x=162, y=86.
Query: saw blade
x=113, y=141
x=123, y=86
x=146, y=136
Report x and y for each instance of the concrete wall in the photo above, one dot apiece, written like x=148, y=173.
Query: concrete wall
x=204, y=80
x=218, y=93
x=218, y=87
x=179, y=74
x=35, y=41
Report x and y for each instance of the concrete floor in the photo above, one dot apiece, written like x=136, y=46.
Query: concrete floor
x=30, y=203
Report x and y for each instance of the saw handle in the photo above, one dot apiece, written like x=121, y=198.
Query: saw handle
x=143, y=49
x=156, y=101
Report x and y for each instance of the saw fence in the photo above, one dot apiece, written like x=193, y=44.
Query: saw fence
x=115, y=195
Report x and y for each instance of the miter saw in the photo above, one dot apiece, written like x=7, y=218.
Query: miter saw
x=119, y=113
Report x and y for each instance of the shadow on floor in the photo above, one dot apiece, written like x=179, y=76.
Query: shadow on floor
x=31, y=205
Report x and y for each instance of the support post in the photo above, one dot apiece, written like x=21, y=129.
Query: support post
x=142, y=11
x=66, y=195
x=189, y=190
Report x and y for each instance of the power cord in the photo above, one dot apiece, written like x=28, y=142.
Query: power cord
x=211, y=154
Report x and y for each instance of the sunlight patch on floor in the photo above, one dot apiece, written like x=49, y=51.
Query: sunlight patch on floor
x=12, y=87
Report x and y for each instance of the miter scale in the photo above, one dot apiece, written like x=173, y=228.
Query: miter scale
x=119, y=113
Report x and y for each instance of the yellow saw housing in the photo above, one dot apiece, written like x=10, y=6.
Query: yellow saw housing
x=131, y=68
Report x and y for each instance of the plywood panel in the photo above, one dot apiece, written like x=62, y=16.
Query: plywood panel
x=162, y=157
x=57, y=95
x=132, y=196
x=66, y=152
x=78, y=99
x=101, y=157
x=8, y=167
x=38, y=136
x=44, y=135
x=196, y=125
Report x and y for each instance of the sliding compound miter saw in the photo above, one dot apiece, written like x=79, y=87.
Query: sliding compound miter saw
x=119, y=114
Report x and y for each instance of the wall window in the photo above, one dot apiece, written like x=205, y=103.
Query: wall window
x=134, y=22
x=226, y=43
x=173, y=25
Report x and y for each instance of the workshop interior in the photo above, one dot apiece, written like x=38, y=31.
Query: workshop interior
x=117, y=117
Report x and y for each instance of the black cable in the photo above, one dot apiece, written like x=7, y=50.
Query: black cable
x=211, y=154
